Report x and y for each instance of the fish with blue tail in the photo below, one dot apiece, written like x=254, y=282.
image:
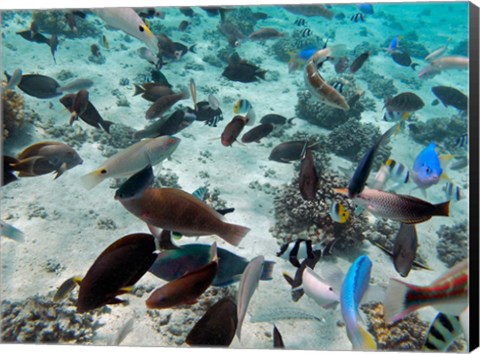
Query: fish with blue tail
x=353, y=289
x=442, y=333
x=427, y=169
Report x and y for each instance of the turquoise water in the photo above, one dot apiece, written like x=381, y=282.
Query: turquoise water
x=65, y=226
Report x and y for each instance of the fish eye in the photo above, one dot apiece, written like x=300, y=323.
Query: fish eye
x=141, y=28
x=428, y=170
x=331, y=289
x=103, y=171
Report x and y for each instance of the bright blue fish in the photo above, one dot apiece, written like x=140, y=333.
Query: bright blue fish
x=366, y=8
x=307, y=53
x=354, y=287
x=394, y=44
x=426, y=168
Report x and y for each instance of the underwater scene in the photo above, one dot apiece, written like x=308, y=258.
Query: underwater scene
x=241, y=176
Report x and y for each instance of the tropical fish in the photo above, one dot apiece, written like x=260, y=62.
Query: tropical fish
x=359, y=17
x=403, y=58
x=366, y=8
x=359, y=61
x=404, y=102
x=405, y=249
x=393, y=44
x=257, y=133
x=388, y=250
x=66, y=288
x=147, y=54
x=76, y=85
x=136, y=184
x=244, y=108
x=8, y=175
x=248, y=284
x=306, y=32
x=179, y=211
x=232, y=130
x=442, y=333
x=205, y=113
x=172, y=264
x=39, y=86
x=183, y=25
x=296, y=282
x=359, y=179
x=461, y=141
x=53, y=43
x=308, y=179
x=447, y=294
x=427, y=169
x=45, y=157
x=296, y=249
x=289, y=151
x=436, y=53
x=132, y=159
x=459, y=164
x=442, y=64
x=217, y=326
x=452, y=192
x=265, y=33
x=122, y=333
x=133, y=254
x=397, y=171
x=127, y=20
x=399, y=207
x=105, y=42
x=153, y=91
x=169, y=125
x=353, y=289
x=312, y=10
x=275, y=119
x=277, y=338
x=11, y=232
x=213, y=101
x=300, y=22
x=450, y=96
x=338, y=213
x=187, y=289
x=164, y=103
x=80, y=105
x=182, y=49
x=242, y=71
x=14, y=80
x=324, y=289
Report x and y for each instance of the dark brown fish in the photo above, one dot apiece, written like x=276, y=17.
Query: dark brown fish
x=404, y=102
x=265, y=33
x=232, y=130
x=153, y=91
x=240, y=70
x=450, y=96
x=405, y=249
x=288, y=151
x=205, y=113
x=183, y=25
x=277, y=338
x=173, y=124
x=257, y=133
x=163, y=104
x=187, y=11
x=309, y=10
x=7, y=173
x=308, y=180
x=403, y=59
x=341, y=65
x=34, y=37
x=359, y=61
x=217, y=326
x=80, y=105
x=89, y=116
x=39, y=86
x=115, y=271
x=166, y=46
x=187, y=289
x=275, y=119
x=387, y=249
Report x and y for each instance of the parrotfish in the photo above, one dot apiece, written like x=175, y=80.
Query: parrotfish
x=427, y=169
x=353, y=289
x=447, y=294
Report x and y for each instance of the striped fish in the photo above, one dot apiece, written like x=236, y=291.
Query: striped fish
x=443, y=331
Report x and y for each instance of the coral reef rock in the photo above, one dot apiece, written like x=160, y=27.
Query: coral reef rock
x=452, y=245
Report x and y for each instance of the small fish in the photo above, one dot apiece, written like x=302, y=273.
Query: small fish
x=80, y=105
x=213, y=101
x=8, y=175
x=459, y=164
x=311, y=10
x=338, y=213
x=427, y=169
x=170, y=125
x=403, y=59
x=122, y=333
x=136, y=184
x=338, y=85
x=306, y=32
x=275, y=119
x=133, y=254
x=39, y=86
x=147, y=54
x=183, y=25
x=394, y=44
x=308, y=179
x=132, y=159
x=388, y=250
x=436, y=53
x=11, y=232
x=452, y=192
x=442, y=333
x=341, y=65
x=405, y=249
x=435, y=102
x=257, y=133
x=289, y=151
x=294, y=250
x=232, y=130
x=461, y=141
x=366, y=8
x=277, y=338
x=392, y=116
x=447, y=294
x=450, y=96
x=105, y=42
x=359, y=61
x=399, y=207
x=66, y=288
x=242, y=71
x=324, y=289
x=76, y=85
x=217, y=326
x=358, y=17
x=187, y=289
x=244, y=108
x=296, y=283
x=300, y=22
x=265, y=33
x=248, y=284
x=46, y=157
x=34, y=36
x=163, y=104
x=53, y=43
x=153, y=91
x=404, y=102
x=205, y=113
x=14, y=80
x=181, y=49
x=398, y=172
x=353, y=289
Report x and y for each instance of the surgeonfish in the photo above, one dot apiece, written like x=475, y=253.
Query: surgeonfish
x=324, y=289
x=405, y=249
x=277, y=338
x=242, y=71
x=175, y=210
x=257, y=133
x=311, y=10
x=442, y=64
x=388, y=250
x=244, y=108
x=39, y=86
x=172, y=264
x=308, y=178
x=124, y=331
x=133, y=254
x=132, y=159
x=427, y=169
x=186, y=289
x=163, y=104
x=353, y=289
x=450, y=96
x=339, y=213
x=275, y=119
x=217, y=326
x=11, y=232
x=127, y=20
x=80, y=105
x=289, y=151
x=167, y=125
x=135, y=185
x=442, y=333
x=447, y=294
x=248, y=284
x=152, y=91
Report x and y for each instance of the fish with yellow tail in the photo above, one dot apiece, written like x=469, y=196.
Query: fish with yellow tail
x=353, y=289
x=398, y=207
x=317, y=85
x=127, y=20
x=448, y=294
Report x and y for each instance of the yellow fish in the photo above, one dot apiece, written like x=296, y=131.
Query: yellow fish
x=105, y=42
x=338, y=213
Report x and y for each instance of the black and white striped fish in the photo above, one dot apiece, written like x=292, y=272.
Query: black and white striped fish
x=306, y=32
x=462, y=141
x=357, y=17
x=295, y=250
x=443, y=331
x=398, y=171
x=338, y=85
x=300, y=22
x=452, y=192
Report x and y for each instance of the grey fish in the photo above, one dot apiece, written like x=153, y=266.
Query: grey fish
x=147, y=54
x=34, y=37
x=405, y=249
x=277, y=338
x=404, y=102
x=39, y=86
x=265, y=33
x=289, y=151
x=308, y=180
x=248, y=284
x=415, y=265
x=163, y=104
x=76, y=85
x=450, y=96
x=459, y=163
x=135, y=185
x=403, y=59
x=171, y=125
x=11, y=232
x=53, y=43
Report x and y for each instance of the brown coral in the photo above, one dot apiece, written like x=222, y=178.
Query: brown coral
x=13, y=113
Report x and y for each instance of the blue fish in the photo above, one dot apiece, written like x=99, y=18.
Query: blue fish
x=354, y=287
x=307, y=53
x=366, y=8
x=394, y=44
x=427, y=169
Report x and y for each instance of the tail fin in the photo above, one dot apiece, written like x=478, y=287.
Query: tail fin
x=233, y=234
x=442, y=209
x=396, y=303
x=367, y=340
x=261, y=74
x=267, y=270
x=288, y=278
x=106, y=125
x=138, y=90
x=338, y=50
x=90, y=180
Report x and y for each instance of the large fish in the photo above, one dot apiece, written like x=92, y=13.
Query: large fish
x=39, y=86
x=131, y=160
x=450, y=96
x=448, y=294
x=232, y=130
x=257, y=133
x=442, y=64
x=404, y=102
x=179, y=211
x=353, y=289
x=324, y=289
x=405, y=249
